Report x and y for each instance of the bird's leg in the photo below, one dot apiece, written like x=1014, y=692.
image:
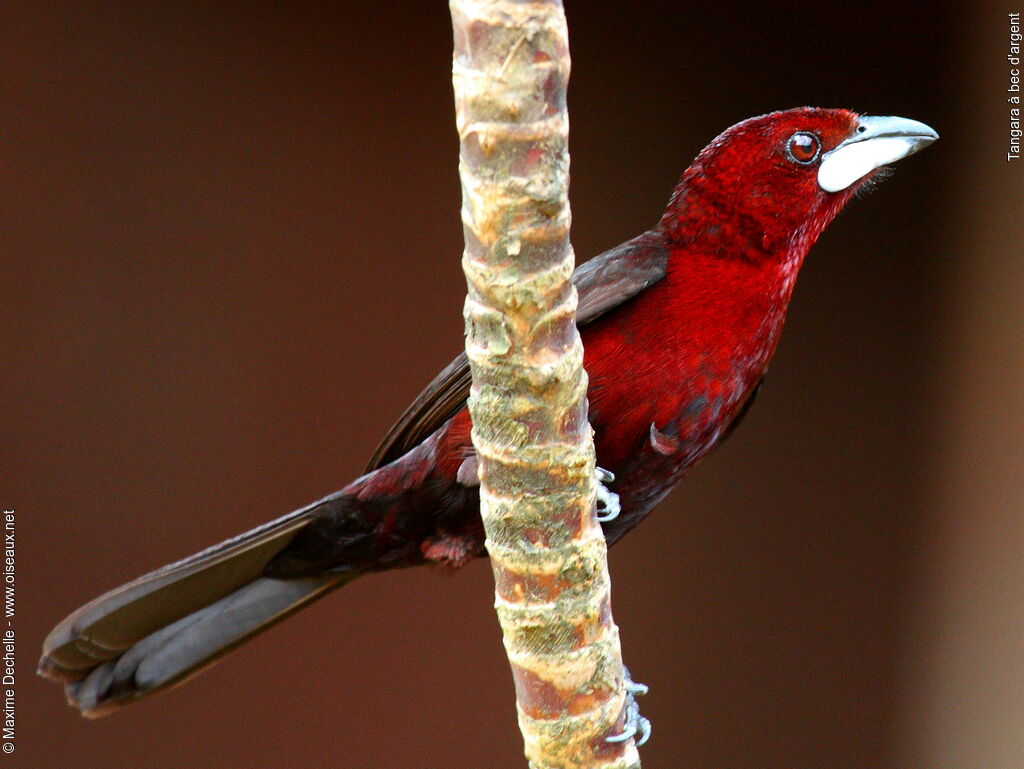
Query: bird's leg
x=635, y=725
x=607, y=501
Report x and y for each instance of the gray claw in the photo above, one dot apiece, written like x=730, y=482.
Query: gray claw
x=629, y=731
x=634, y=688
x=645, y=731
x=635, y=725
x=607, y=501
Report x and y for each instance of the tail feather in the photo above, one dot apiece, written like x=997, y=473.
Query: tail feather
x=183, y=649
x=168, y=625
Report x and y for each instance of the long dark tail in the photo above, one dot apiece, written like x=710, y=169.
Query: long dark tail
x=167, y=626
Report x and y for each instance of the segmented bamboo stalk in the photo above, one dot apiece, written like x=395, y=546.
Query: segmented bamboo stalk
x=530, y=429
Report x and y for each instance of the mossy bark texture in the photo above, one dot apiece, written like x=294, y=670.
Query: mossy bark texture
x=528, y=402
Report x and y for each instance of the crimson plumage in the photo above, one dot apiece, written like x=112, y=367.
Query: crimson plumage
x=670, y=367
x=678, y=326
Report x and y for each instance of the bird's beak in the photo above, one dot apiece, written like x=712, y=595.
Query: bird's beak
x=875, y=142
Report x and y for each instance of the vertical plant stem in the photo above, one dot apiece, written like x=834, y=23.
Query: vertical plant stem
x=528, y=402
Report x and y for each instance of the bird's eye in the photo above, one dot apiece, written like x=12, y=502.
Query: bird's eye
x=803, y=148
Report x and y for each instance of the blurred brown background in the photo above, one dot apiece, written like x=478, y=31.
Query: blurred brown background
x=230, y=256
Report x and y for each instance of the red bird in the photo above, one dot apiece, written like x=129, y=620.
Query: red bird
x=678, y=325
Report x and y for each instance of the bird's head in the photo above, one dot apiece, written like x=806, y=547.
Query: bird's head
x=769, y=185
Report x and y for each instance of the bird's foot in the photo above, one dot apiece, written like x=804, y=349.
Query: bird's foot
x=634, y=724
x=607, y=501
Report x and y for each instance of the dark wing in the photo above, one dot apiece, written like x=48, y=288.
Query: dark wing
x=603, y=283
x=432, y=408
x=608, y=280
